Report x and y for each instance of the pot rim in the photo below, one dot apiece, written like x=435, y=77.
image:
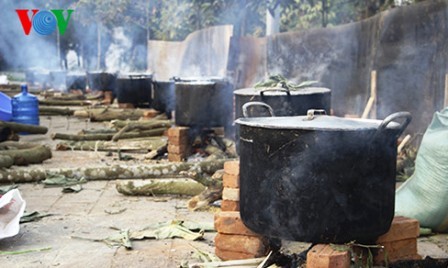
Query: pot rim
x=320, y=122
x=302, y=91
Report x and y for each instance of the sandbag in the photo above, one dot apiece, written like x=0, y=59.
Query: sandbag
x=424, y=196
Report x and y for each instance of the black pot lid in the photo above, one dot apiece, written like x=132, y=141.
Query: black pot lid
x=134, y=75
x=197, y=83
x=319, y=122
x=282, y=92
x=198, y=78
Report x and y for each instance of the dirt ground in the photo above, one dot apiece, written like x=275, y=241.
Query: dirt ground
x=61, y=239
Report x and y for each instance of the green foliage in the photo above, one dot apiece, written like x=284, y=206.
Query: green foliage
x=175, y=19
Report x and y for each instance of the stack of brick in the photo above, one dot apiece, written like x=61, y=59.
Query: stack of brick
x=179, y=147
x=400, y=242
x=234, y=240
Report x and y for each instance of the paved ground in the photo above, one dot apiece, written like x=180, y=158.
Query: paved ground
x=91, y=214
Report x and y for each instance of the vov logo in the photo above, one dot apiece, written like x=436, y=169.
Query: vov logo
x=44, y=22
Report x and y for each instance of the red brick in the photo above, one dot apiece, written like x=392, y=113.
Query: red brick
x=401, y=228
x=397, y=250
x=178, y=131
x=231, y=181
x=324, y=256
x=227, y=255
x=229, y=222
x=182, y=149
x=175, y=157
x=229, y=205
x=178, y=140
x=232, y=167
x=232, y=194
x=240, y=243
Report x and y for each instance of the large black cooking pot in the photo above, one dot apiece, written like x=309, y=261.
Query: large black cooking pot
x=318, y=178
x=101, y=80
x=284, y=102
x=164, y=96
x=203, y=102
x=76, y=81
x=134, y=88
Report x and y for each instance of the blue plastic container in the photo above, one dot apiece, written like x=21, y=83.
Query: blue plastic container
x=5, y=107
x=25, y=108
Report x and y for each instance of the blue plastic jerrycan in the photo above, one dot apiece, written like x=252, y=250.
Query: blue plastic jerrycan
x=25, y=107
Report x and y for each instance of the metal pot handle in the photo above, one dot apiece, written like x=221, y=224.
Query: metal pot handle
x=275, y=89
x=256, y=103
x=311, y=113
x=407, y=119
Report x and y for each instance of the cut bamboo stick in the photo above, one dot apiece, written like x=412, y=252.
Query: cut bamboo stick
x=371, y=107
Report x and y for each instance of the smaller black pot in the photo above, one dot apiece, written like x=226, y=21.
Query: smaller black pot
x=164, y=96
x=134, y=88
x=101, y=81
x=76, y=81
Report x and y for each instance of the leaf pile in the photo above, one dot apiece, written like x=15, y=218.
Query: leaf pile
x=279, y=81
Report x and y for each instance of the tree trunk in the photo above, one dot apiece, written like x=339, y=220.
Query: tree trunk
x=65, y=102
x=141, y=145
x=108, y=136
x=168, y=170
x=17, y=127
x=24, y=153
x=6, y=161
x=109, y=114
x=55, y=111
x=159, y=186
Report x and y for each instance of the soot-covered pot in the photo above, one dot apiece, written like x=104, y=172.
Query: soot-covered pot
x=319, y=178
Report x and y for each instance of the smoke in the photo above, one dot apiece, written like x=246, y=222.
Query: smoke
x=116, y=54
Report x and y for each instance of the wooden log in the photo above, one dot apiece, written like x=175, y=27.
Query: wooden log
x=65, y=102
x=18, y=127
x=142, y=145
x=108, y=136
x=141, y=126
x=6, y=161
x=159, y=186
x=43, y=110
x=114, y=172
x=65, y=97
x=212, y=193
x=113, y=114
x=25, y=153
x=97, y=131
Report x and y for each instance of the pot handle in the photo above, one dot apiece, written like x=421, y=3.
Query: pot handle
x=311, y=113
x=275, y=89
x=256, y=103
x=405, y=115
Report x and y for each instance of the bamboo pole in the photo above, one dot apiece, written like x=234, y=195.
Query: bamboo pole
x=371, y=107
